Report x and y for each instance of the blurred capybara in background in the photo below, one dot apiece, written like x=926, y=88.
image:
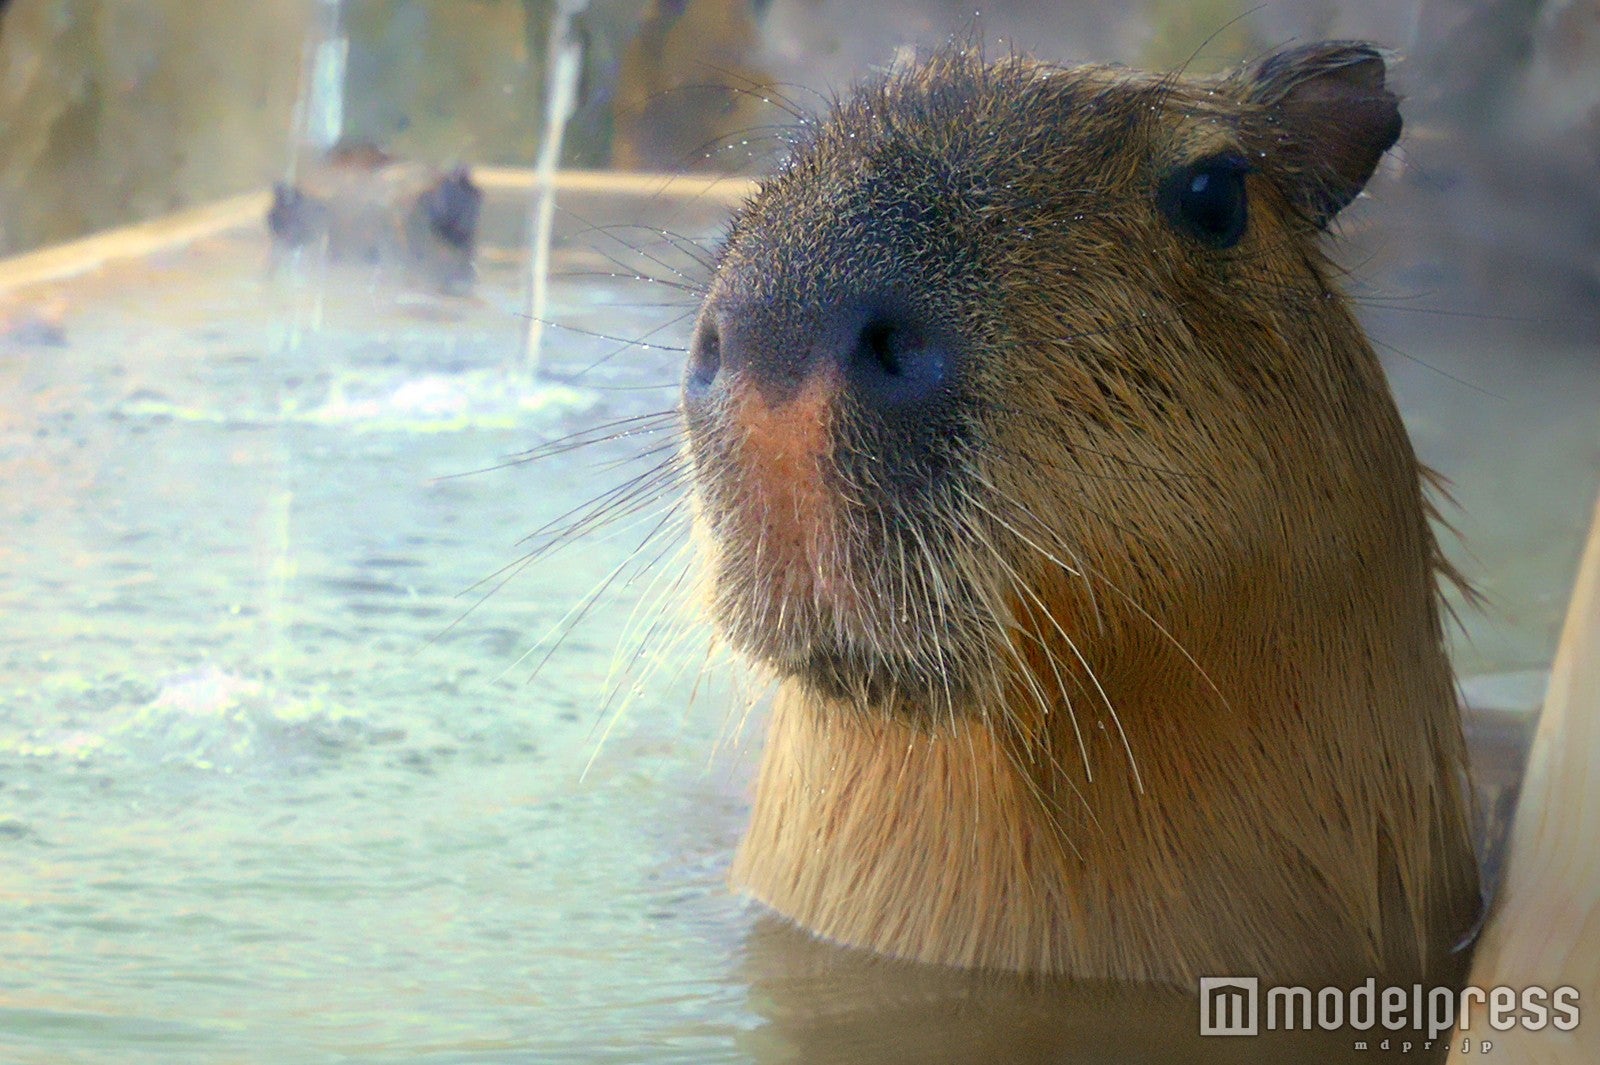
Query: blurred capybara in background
x=366, y=207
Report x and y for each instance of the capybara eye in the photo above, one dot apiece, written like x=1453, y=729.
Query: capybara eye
x=1206, y=200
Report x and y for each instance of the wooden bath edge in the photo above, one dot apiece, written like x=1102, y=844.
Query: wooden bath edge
x=1544, y=928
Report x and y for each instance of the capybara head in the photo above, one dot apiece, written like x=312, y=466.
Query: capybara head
x=1012, y=364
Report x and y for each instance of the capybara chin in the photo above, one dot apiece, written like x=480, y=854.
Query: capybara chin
x=1039, y=457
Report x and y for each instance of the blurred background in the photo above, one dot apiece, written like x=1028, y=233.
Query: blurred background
x=350, y=706
x=112, y=112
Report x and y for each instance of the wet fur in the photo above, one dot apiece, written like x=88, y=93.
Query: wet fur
x=1140, y=675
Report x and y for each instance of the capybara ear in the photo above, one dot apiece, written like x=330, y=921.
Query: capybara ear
x=453, y=206
x=1324, y=117
x=294, y=217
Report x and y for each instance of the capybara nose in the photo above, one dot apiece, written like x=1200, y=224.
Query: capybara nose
x=882, y=354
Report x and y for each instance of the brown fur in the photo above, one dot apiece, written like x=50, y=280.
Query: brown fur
x=1150, y=683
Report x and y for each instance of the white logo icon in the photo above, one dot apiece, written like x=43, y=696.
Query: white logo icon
x=1228, y=1005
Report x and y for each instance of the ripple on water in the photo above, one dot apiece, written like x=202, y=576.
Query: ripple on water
x=14, y=829
x=63, y=1029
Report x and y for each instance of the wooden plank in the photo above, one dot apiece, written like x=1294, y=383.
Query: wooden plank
x=729, y=190
x=1544, y=930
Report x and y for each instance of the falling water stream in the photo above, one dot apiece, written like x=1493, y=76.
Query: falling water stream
x=563, y=66
x=319, y=112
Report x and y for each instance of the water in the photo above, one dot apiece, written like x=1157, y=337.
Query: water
x=265, y=792
x=273, y=788
x=563, y=68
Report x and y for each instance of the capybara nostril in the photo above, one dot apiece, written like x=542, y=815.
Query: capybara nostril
x=890, y=358
x=705, y=359
x=887, y=359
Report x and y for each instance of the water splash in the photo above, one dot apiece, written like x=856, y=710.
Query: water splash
x=416, y=404
x=208, y=719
